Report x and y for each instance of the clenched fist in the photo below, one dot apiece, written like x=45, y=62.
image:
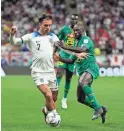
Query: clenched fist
x=13, y=30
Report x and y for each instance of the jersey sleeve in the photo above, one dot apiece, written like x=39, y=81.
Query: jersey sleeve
x=55, y=38
x=26, y=38
x=87, y=43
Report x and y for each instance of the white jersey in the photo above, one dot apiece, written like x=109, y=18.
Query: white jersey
x=42, y=51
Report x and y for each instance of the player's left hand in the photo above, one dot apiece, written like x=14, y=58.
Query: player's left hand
x=81, y=55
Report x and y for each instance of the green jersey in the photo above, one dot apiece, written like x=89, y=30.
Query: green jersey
x=67, y=35
x=87, y=64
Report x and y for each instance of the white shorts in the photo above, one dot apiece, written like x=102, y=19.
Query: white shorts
x=45, y=78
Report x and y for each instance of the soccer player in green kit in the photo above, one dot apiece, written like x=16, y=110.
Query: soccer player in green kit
x=67, y=36
x=87, y=69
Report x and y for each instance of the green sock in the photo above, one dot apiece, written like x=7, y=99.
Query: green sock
x=87, y=102
x=66, y=90
x=59, y=80
x=91, y=96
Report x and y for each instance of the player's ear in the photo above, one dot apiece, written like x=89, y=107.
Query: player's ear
x=39, y=25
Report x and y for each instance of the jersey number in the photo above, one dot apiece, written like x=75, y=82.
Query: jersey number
x=38, y=46
x=70, y=41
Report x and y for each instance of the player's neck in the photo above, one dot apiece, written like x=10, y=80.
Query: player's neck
x=41, y=33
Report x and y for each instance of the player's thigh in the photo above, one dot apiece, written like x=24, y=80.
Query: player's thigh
x=54, y=88
x=46, y=91
x=85, y=79
x=39, y=78
x=42, y=80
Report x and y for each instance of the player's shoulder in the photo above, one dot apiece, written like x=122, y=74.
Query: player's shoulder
x=34, y=34
x=65, y=27
x=53, y=36
x=86, y=38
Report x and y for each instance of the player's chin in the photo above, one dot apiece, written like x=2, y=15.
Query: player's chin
x=46, y=31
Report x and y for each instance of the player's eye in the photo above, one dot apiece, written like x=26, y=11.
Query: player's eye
x=47, y=25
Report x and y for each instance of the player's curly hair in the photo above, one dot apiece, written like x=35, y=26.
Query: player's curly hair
x=44, y=16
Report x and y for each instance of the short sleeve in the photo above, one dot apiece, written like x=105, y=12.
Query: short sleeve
x=55, y=38
x=26, y=38
x=87, y=43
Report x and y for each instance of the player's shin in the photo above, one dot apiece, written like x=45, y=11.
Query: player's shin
x=50, y=104
x=96, y=106
x=82, y=98
x=67, y=87
x=91, y=96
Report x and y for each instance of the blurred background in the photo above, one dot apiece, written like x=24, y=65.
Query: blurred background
x=103, y=20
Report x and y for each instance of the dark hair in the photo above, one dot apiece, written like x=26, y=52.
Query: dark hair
x=74, y=16
x=45, y=16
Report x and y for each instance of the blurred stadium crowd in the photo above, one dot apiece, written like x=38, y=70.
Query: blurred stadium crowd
x=104, y=21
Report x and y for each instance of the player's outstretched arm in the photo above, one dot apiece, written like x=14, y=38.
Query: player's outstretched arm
x=74, y=49
x=81, y=55
x=57, y=57
x=13, y=40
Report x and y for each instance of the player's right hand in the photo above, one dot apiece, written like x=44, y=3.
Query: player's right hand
x=13, y=30
x=81, y=55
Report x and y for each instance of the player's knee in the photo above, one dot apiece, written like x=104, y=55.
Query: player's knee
x=80, y=84
x=83, y=83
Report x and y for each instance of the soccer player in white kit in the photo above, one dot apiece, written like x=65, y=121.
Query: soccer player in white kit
x=41, y=45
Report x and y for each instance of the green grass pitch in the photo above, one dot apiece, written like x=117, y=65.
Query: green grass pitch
x=22, y=101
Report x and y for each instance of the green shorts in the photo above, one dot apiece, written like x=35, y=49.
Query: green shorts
x=60, y=64
x=93, y=70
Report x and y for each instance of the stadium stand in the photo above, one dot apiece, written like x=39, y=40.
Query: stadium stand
x=104, y=20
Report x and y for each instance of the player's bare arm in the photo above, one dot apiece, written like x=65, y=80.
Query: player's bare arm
x=57, y=57
x=81, y=55
x=13, y=40
x=74, y=49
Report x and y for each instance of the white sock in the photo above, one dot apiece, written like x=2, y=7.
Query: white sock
x=65, y=99
x=45, y=109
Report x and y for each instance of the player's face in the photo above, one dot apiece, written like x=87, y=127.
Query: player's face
x=78, y=32
x=45, y=26
x=74, y=20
